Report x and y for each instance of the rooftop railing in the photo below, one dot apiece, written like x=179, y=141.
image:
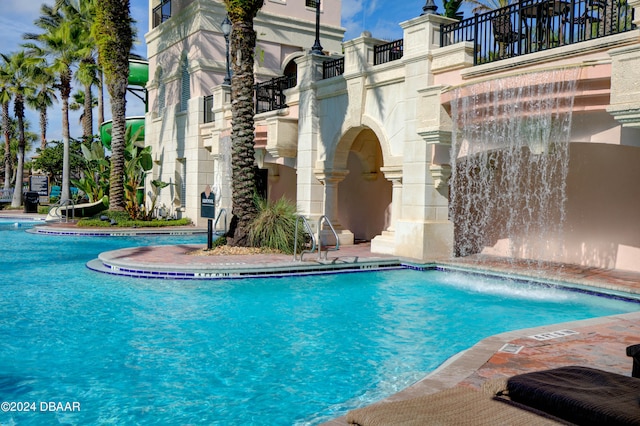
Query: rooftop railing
x=270, y=94
x=333, y=68
x=388, y=52
x=532, y=25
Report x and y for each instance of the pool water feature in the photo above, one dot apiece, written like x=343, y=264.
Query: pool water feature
x=509, y=161
x=272, y=351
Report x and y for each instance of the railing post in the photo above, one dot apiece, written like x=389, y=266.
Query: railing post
x=476, y=52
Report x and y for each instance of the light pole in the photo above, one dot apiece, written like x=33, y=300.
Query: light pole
x=317, y=48
x=429, y=8
x=226, y=31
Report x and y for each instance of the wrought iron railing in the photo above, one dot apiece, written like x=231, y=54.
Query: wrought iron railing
x=270, y=94
x=388, y=52
x=532, y=25
x=333, y=68
x=161, y=13
x=208, y=109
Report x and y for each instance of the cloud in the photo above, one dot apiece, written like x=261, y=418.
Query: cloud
x=351, y=8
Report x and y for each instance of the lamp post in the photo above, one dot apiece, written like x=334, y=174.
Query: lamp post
x=429, y=8
x=226, y=31
x=317, y=48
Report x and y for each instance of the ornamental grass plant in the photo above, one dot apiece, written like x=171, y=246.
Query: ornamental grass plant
x=274, y=226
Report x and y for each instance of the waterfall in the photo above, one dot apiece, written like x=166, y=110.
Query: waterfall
x=509, y=161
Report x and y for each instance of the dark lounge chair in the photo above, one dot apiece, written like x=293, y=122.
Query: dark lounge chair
x=582, y=395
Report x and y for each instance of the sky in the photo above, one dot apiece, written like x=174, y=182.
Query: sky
x=380, y=17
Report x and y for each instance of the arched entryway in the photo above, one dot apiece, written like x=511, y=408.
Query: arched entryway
x=364, y=195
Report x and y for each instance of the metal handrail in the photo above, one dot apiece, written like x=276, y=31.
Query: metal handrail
x=59, y=205
x=215, y=224
x=325, y=219
x=305, y=222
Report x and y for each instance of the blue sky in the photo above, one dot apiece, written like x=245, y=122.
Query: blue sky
x=380, y=17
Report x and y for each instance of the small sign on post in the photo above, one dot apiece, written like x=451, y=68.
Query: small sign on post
x=40, y=184
x=208, y=210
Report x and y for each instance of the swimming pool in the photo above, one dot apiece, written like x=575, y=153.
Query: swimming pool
x=272, y=351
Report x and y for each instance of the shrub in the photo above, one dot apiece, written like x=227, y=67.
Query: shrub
x=123, y=220
x=275, y=225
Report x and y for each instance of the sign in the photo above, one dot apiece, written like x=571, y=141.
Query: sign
x=39, y=184
x=208, y=203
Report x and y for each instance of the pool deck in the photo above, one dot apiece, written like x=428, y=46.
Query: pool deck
x=599, y=342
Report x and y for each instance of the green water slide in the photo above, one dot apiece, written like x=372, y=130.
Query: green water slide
x=138, y=72
x=138, y=78
x=136, y=124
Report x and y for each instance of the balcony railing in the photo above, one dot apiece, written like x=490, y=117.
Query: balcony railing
x=532, y=25
x=161, y=13
x=208, y=109
x=333, y=68
x=388, y=52
x=270, y=94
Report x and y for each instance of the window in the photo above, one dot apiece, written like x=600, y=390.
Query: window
x=161, y=13
x=311, y=3
x=208, y=109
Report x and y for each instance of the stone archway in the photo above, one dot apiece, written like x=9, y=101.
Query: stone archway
x=364, y=195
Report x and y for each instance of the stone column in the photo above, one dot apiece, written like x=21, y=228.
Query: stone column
x=385, y=242
x=310, y=192
x=625, y=78
x=330, y=180
x=423, y=230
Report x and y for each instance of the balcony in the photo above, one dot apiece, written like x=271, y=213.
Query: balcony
x=531, y=26
x=269, y=95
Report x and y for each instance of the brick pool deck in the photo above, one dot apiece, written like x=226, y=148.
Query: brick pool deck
x=600, y=342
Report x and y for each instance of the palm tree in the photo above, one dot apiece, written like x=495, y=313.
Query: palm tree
x=243, y=44
x=80, y=103
x=114, y=35
x=480, y=6
x=5, y=99
x=59, y=43
x=19, y=71
x=42, y=100
x=83, y=14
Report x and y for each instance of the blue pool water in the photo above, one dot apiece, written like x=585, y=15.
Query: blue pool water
x=273, y=351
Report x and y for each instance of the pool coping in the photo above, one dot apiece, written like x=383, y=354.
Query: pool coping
x=458, y=369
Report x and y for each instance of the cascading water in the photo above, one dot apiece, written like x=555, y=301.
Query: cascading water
x=509, y=160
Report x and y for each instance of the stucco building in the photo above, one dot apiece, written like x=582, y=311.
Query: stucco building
x=363, y=134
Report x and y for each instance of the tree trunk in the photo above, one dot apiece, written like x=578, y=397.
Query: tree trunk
x=7, y=145
x=100, y=98
x=87, y=118
x=114, y=38
x=65, y=93
x=43, y=128
x=19, y=111
x=243, y=40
